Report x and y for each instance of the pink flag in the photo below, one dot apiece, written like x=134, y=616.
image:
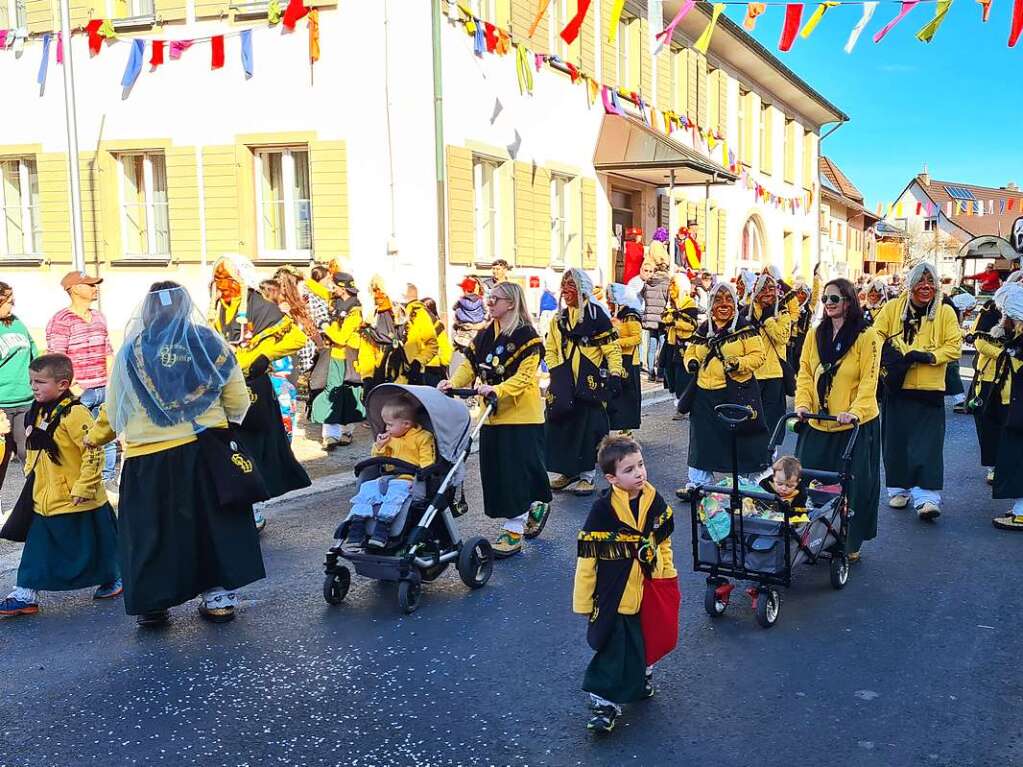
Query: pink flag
x=665, y=35
x=177, y=47
x=907, y=6
x=60, y=48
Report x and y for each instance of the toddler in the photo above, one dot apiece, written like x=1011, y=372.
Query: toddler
x=785, y=482
x=407, y=441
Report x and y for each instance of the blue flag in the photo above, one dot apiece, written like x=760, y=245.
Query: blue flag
x=45, y=63
x=247, y=53
x=134, y=66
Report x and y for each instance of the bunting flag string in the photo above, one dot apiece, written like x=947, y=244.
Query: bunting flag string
x=951, y=208
x=44, y=65
x=1017, y=22
x=868, y=12
x=793, y=17
x=666, y=33
x=571, y=30
x=926, y=33
x=612, y=24
x=753, y=10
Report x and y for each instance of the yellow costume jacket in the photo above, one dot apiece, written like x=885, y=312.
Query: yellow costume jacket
x=854, y=388
x=941, y=337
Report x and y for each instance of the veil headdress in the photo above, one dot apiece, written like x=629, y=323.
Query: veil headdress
x=725, y=287
x=172, y=366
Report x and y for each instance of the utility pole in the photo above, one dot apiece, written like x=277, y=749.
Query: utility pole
x=71, y=120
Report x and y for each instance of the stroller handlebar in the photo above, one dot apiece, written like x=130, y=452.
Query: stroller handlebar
x=780, y=428
x=490, y=399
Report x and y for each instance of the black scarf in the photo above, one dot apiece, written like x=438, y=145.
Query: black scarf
x=831, y=348
x=914, y=317
x=341, y=306
x=989, y=317
x=262, y=314
x=496, y=356
x=593, y=329
x=41, y=437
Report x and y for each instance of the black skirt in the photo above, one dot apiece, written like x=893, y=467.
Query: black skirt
x=175, y=539
x=434, y=375
x=65, y=552
x=914, y=442
x=710, y=441
x=670, y=362
x=512, y=469
x=822, y=450
x=263, y=433
x=571, y=443
x=772, y=394
x=988, y=421
x=618, y=671
x=623, y=412
x=953, y=381
x=1008, y=474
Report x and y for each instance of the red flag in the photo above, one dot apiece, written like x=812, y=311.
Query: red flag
x=296, y=10
x=919, y=205
x=490, y=34
x=793, y=19
x=1012, y=202
x=217, y=45
x=571, y=30
x=95, y=41
x=1017, y=22
x=157, y=58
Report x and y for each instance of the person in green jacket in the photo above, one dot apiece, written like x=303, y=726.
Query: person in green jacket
x=17, y=350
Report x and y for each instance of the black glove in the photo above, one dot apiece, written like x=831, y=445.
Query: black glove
x=692, y=366
x=259, y=366
x=614, y=387
x=917, y=356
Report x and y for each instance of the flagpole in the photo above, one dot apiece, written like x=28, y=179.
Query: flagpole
x=71, y=121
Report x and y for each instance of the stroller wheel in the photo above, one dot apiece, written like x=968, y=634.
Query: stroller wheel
x=714, y=606
x=335, y=586
x=476, y=562
x=767, y=607
x=409, y=593
x=839, y=571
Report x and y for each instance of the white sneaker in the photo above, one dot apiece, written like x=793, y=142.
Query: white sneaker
x=900, y=501
x=928, y=511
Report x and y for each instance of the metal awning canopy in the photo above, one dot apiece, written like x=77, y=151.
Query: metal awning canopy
x=634, y=150
x=988, y=247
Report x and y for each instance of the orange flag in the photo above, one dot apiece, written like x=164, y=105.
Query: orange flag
x=314, y=35
x=540, y=11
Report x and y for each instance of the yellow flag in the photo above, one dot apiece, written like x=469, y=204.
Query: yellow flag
x=926, y=33
x=612, y=25
x=898, y=209
x=815, y=18
x=703, y=43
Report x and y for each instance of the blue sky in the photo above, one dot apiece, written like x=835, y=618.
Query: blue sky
x=954, y=104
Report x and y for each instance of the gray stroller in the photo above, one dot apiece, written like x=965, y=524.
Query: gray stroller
x=423, y=539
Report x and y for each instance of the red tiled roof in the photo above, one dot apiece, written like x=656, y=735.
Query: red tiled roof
x=976, y=225
x=838, y=180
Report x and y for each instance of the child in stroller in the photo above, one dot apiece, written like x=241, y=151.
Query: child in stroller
x=382, y=498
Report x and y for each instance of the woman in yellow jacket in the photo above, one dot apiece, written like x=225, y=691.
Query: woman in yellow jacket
x=723, y=347
x=258, y=333
x=503, y=359
x=1008, y=479
x=437, y=368
x=185, y=524
x=773, y=315
x=924, y=337
x=680, y=317
x=623, y=412
x=338, y=407
x=585, y=363
x=838, y=376
x=420, y=344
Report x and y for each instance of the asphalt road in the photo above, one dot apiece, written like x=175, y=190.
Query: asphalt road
x=916, y=662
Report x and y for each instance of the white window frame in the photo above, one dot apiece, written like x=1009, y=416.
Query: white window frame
x=291, y=251
x=623, y=52
x=151, y=206
x=561, y=215
x=930, y=224
x=484, y=9
x=489, y=213
x=29, y=209
x=137, y=9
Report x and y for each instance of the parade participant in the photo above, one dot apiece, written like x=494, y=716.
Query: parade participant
x=623, y=412
x=654, y=294
x=380, y=358
x=706, y=281
x=403, y=439
x=174, y=390
x=503, y=360
x=1008, y=480
x=17, y=350
x=688, y=253
x=745, y=283
x=71, y=541
x=773, y=315
x=419, y=344
x=681, y=318
x=437, y=368
x=317, y=291
x=499, y=269
x=585, y=363
x=339, y=406
x=258, y=333
x=723, y=350
x=470, y=313
x=293, y=303
x=838, y=376
x=875, y=296
x=923, y=330
x=634, y=253
x=624, y=561
x=80, y=332
x=808, y=298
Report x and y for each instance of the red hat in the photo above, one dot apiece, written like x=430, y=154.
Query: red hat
x=634, y=231
x=469, y=285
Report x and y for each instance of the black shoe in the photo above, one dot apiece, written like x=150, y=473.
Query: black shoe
x=154, y=619
x=651, y=378
x=648, y=686
x=603, y=719
x=356, y=533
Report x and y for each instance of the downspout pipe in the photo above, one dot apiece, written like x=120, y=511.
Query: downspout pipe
x=438, y=144
x=817, y=221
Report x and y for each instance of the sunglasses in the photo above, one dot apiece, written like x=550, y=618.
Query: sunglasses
x=831, y=299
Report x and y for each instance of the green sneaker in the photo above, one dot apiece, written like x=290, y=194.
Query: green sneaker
x=536, y=520
x=507, y=544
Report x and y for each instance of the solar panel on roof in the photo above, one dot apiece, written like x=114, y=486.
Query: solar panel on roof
x=959, y=193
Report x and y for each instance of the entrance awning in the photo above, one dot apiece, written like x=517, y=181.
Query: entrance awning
x=633, y=150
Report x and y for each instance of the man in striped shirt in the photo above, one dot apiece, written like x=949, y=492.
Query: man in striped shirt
x=80, y=332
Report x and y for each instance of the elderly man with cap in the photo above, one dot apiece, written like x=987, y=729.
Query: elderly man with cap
x=80, y=332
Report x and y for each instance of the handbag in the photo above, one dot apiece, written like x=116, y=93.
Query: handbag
x=593, y=384
x=236, y=477
x=560, y=392
x=746, y=393
x=20, y=520
x=658, y=616
x=688, y=397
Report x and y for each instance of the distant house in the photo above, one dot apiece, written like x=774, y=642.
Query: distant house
x=847, y=240
x=940, y=216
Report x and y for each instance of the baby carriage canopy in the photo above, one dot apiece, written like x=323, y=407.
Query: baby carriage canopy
x=449, y=418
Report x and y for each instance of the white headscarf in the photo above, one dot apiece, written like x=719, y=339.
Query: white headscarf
x=915, y=275
x=749, y=281
x=621, y=295
x=1012, y=301
x=769, y=273
x=584, y=286
x=727, y=288
x=682, y=284
x=877, y=285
